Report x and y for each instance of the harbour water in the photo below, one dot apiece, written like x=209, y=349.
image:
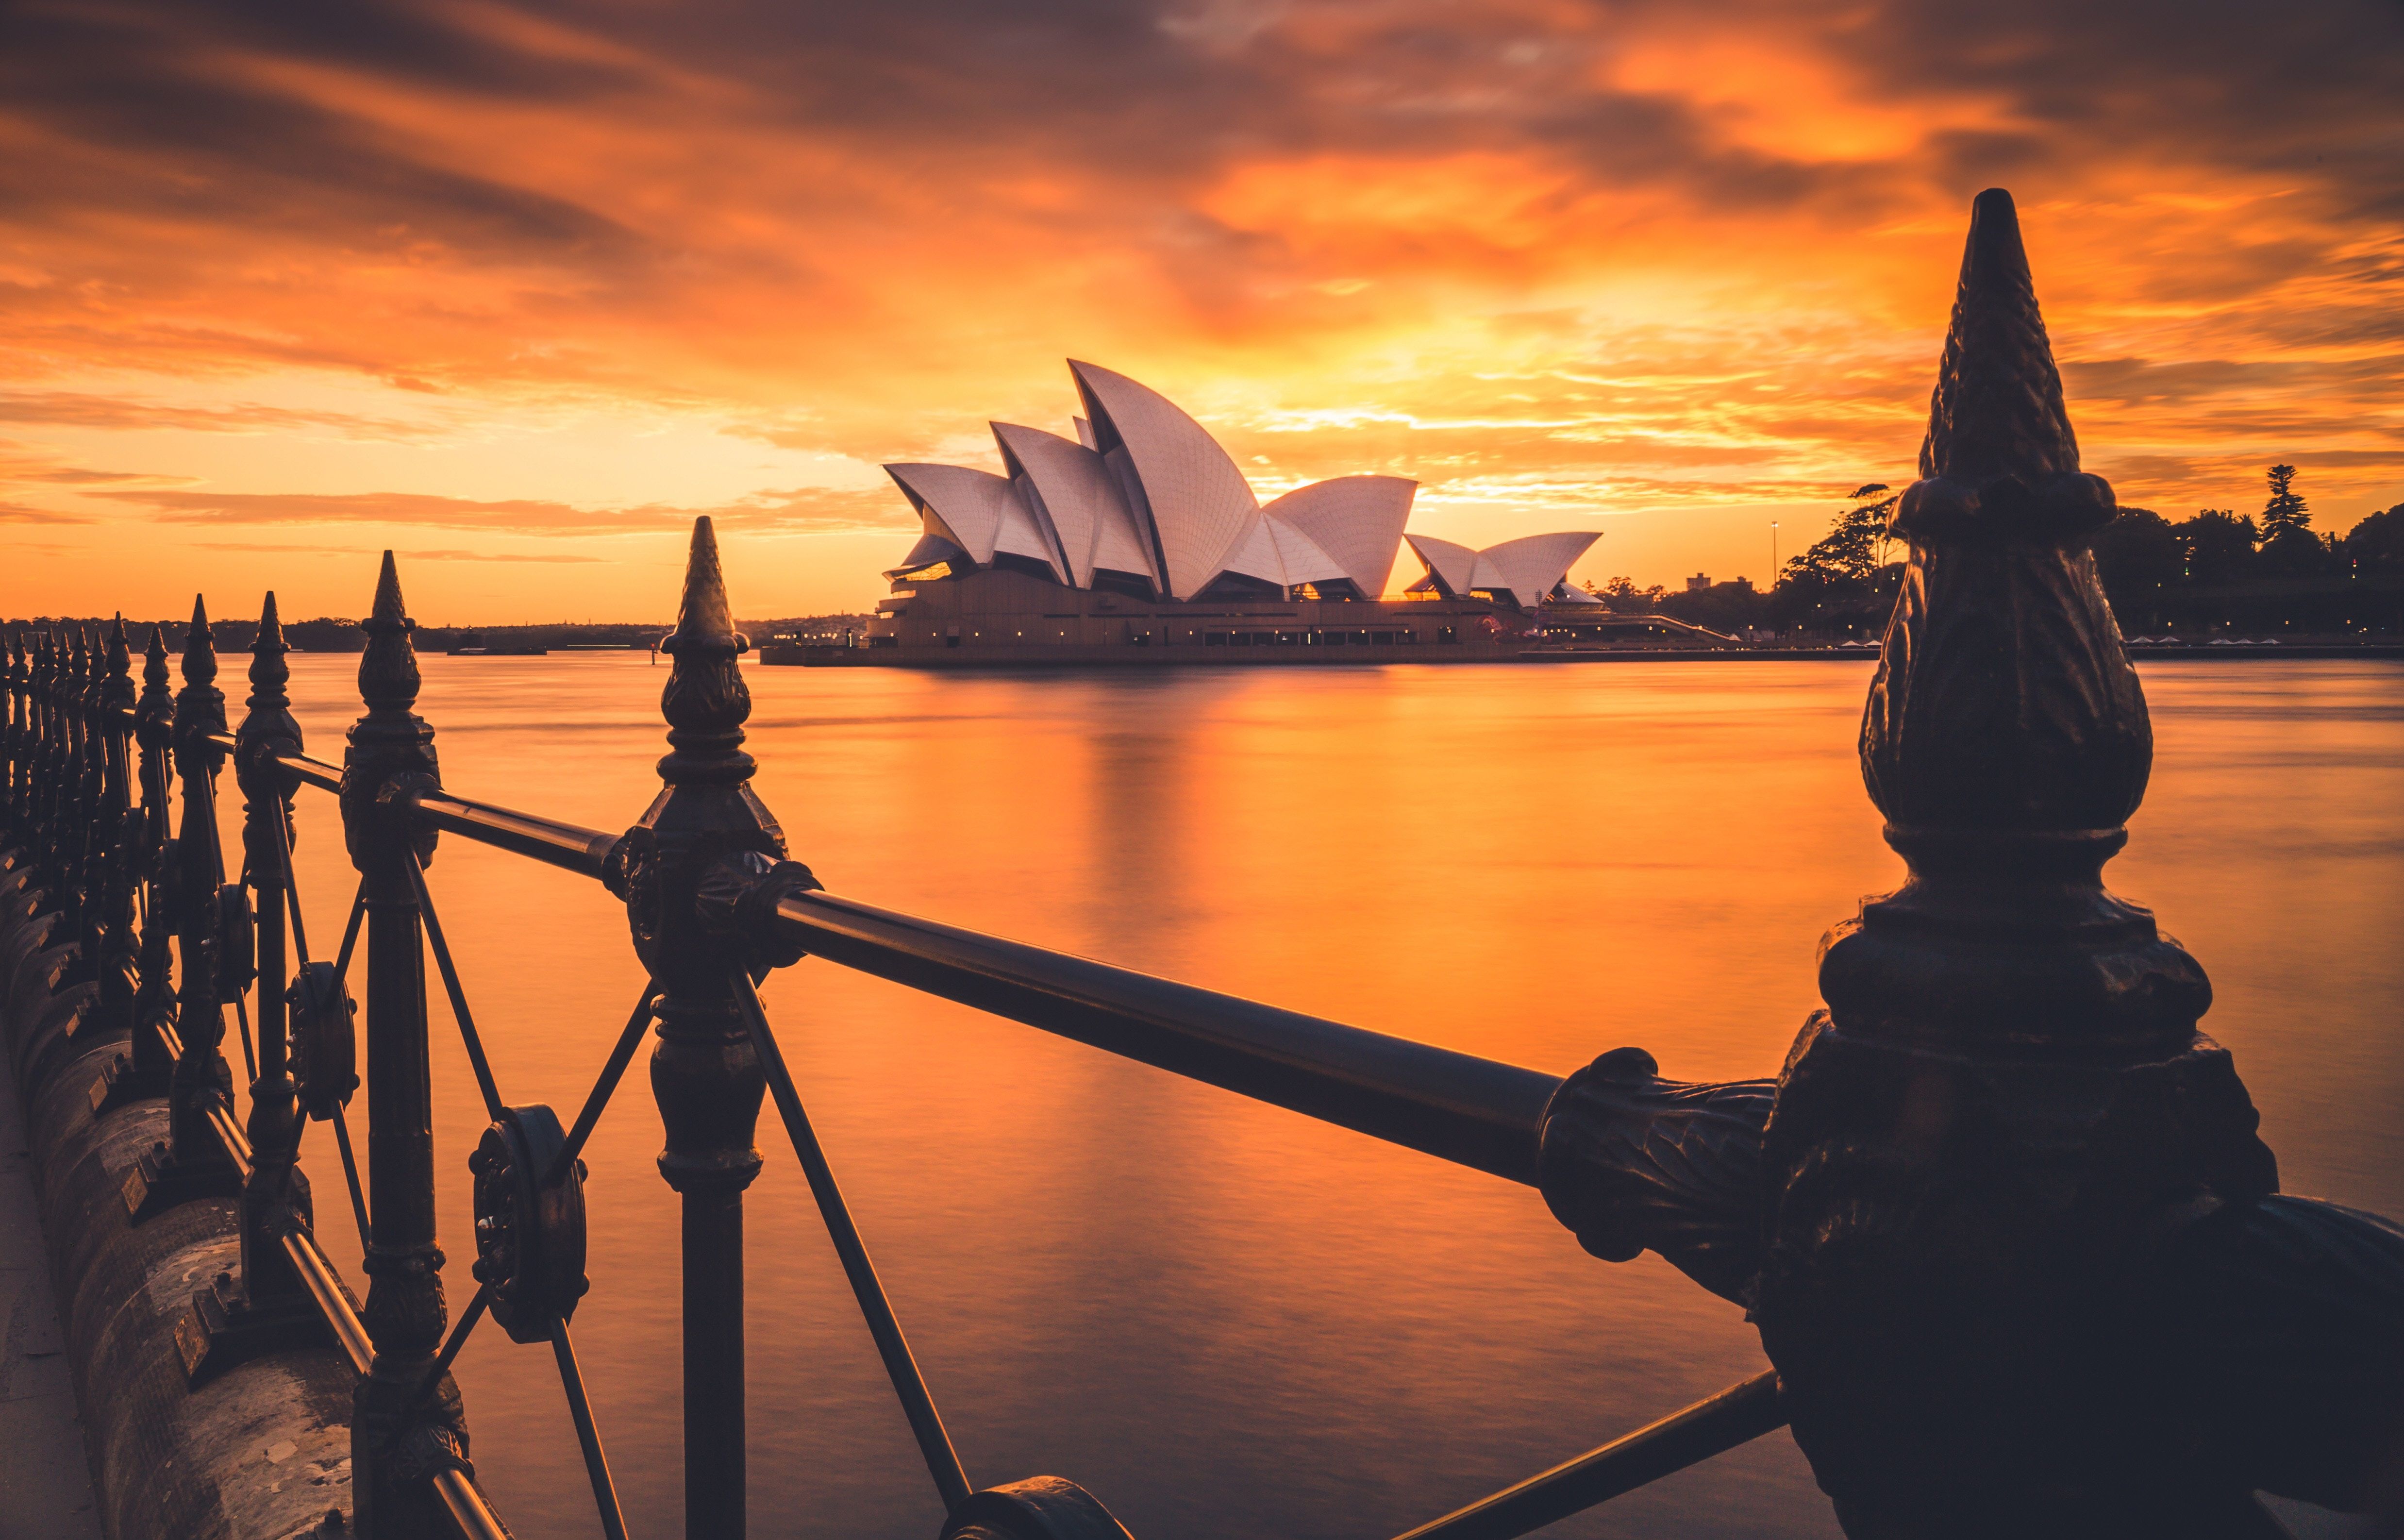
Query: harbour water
x=1223, y=1318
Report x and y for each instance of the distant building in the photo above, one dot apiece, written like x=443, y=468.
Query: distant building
x=1141, y=532
x=1699, y=582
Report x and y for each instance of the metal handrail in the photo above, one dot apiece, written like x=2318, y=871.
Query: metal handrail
x=1458, y=1107
x=1472, y=1111
x=325, y=1287
x=565, y=845
x=1715, y=1425
x=469, y=1510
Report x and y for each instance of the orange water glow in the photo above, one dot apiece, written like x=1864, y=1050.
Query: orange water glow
x=518, y=291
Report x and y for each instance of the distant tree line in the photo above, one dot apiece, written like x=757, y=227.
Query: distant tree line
x=326, y=633
x=2220, y=570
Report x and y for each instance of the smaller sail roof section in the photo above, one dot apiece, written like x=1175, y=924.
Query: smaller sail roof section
x=1531, y=565
x=1199, y=503
x=1080, y=496
x=1256, y=555
x=1305, y=559
x=977, y=510
x=1452, y=565
x=931, y=548
x=1355, y=521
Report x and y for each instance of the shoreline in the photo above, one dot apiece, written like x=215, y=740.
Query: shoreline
x=1135, y=658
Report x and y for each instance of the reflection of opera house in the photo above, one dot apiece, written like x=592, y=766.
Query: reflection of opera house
x=1141, y=534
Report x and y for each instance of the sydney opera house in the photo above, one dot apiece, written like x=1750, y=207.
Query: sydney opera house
x=1140, y=539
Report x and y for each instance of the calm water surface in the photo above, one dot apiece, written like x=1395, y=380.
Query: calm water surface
x=1223, y=1318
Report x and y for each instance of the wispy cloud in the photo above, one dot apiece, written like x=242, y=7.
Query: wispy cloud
x=72, y=409
x=800, y=509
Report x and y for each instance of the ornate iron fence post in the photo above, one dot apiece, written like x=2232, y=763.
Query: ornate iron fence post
x=2004, y=1163
x=43, y=815
x=400, y=1437
x=200, y=1089
x=268, y=1304
x=151, y=1065
x=93, y=827
x=705, y=1073
x=117, y=839
x=12, y=678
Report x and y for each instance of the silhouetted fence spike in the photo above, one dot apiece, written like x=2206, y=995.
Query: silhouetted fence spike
x=705, y=1074
x=390, y=751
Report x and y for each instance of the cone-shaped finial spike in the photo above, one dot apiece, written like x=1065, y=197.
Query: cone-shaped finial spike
x=705, y=699
x=387, y=605
x=119, y=679
x=1997, y=410
x=200, y=648
x=704, y=612
x=268, y=670
x=388, y=678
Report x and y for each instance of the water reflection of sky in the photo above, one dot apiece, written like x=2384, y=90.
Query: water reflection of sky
x=1221, y=1318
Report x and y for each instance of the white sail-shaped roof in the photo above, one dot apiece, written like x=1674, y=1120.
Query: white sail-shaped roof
x=1531, y=565
x=1450, y=565
x=1256, y=557
x=977, y=510
x=1357, y=520
x=1305, y=559
x=931, y=548
x=1076, y=491
x=1199, y=503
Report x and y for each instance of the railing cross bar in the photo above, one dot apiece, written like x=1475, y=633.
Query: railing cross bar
x=588, y=1435
x=603, y=1088
x=351, y=1177
x=909, y=1385
x=467, y=1034
x=1738, y=1415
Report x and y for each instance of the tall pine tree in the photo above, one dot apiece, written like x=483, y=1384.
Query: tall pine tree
x=2287, y=509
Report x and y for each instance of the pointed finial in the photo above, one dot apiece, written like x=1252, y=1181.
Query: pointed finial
x=116, y=689
x=2000, y=460
x=704, y=700
x=266, y=720
x=2004, y=698
x=267, y=650
x=388, y=678
x=200, y=648
x=1997, y=409
x=154, y=659
x=703, y=616
x=269, y=672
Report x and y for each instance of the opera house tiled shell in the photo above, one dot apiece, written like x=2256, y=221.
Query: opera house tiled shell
x=1146, y=503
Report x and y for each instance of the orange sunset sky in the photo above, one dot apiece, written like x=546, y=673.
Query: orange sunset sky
x=518, y=288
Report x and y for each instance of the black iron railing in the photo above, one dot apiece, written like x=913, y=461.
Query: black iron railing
x=714, y=904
